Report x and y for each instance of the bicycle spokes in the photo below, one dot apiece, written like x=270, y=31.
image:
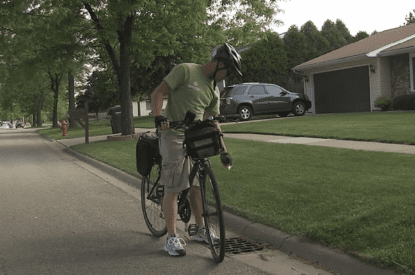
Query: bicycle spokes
x=152, y=203
x=213, y=216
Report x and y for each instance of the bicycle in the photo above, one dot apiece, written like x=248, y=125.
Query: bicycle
x=152, y=193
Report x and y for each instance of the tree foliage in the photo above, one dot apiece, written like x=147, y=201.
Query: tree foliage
x=56, y=36
x=317, y=44
x=409, y=19
x=334, y=35
x=296, y=46
x=265, y=61
x=243, y=22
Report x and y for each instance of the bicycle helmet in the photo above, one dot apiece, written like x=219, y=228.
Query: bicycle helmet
x=228, y=55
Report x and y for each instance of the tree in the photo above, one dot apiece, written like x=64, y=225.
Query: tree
x=147, y=29
x=295, y=43
x=410, y=18
x=244, y=22
x=317, y=44
x=43, y=39
x=333, y=35
x=360, y=35
x=344, y=31
x=138, y=32
x=265, y=61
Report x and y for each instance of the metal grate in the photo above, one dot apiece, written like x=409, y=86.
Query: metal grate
x=238, y=245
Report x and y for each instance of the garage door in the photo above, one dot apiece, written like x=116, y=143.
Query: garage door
x=342, y=91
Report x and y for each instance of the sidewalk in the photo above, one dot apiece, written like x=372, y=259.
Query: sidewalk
x=312, y=252
x=346, y=144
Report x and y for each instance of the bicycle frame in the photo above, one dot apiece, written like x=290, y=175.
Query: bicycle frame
x=198, y=166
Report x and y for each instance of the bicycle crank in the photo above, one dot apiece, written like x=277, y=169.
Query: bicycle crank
x=184, y=211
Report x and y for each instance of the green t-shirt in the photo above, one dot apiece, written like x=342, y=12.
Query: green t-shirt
x=191, y=91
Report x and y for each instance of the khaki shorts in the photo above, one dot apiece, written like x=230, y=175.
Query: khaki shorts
x=176, y=167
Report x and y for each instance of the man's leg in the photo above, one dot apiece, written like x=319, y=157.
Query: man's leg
x=170, y=212
x=196, y=205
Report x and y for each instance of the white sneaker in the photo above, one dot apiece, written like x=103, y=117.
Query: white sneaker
x=202, y=236
x=174, y=245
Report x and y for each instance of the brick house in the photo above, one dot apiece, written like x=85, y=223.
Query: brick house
x=351, y=78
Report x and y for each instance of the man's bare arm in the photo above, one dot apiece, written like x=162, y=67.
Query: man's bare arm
x=157, y=97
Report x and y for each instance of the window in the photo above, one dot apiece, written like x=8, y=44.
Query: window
x=256, y=90
x=240, y=90
x=274, y=90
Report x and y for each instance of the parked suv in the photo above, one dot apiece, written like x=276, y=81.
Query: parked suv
x=247, y=99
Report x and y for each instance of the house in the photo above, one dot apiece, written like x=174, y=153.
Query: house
x=143, y=107
x=351, y=78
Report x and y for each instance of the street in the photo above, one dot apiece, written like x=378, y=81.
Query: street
x=60, y=215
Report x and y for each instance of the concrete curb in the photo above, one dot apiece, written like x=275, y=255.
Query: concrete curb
x=312, y=252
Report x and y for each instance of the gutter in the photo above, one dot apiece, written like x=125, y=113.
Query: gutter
x=299, y=74
x=395, y=52
x=333, y=62
x=376, y=52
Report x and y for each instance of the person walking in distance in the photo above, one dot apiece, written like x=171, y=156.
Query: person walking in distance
x=190, y=87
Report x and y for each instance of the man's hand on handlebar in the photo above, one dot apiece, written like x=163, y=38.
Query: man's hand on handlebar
x=162, y=122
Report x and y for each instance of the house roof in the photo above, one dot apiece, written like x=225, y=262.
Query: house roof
x=375, y=45
x=406, y=46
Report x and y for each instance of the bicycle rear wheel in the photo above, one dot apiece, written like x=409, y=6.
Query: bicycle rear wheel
x=152, y=203
x=213, y=215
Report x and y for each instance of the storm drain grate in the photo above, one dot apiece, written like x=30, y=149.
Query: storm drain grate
x=238, y=245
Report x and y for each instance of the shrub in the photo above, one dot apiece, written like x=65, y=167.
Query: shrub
x=404, y=102
x=384, y=103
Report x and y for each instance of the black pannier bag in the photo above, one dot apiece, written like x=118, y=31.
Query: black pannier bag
x=202, y=140
x=147, y=153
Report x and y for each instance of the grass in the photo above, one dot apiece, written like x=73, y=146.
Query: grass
x=360, y=202
x=96, y=128
x=356, y=201
x=393, y=127
x=121, y=156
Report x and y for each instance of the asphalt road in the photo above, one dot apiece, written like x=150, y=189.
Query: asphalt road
x=60, y=215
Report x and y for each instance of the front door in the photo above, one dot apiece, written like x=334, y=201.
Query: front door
x=278, y=101
x=257, y=96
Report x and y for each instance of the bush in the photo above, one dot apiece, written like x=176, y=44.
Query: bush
x=404, y=102
x=384, y=103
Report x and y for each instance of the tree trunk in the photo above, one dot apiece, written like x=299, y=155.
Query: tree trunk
x=124, y=36
x=39, y=109
x=121, y=68
x=71, y=92
x=55, y=89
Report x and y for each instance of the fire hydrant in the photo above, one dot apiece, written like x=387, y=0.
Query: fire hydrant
x=64, y=128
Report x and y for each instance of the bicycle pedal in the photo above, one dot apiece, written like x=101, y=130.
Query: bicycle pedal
x=160, y=191
x=193, y=228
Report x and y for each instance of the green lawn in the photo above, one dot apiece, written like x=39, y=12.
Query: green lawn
x=357, y=201
x=396, y=127
x=96, y=128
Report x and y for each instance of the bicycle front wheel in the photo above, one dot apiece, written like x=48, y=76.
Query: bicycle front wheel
x=213, y=216
x=151, y=203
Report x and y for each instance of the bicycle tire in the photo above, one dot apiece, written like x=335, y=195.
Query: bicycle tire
x=213, y=215
x=152, y=208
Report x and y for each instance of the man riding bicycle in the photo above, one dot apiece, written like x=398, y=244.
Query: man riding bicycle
x=190, y=87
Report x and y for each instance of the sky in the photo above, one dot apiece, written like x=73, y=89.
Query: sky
x=357, y=15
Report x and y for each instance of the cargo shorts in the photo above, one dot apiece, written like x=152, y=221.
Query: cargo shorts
x=176, y=167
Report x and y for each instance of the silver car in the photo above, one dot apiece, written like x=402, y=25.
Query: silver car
x=247, y=99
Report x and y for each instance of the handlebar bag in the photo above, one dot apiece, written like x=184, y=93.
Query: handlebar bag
x=202, y=141
x=147, y=153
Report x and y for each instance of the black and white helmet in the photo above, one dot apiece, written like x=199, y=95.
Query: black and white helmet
x=227, y=54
